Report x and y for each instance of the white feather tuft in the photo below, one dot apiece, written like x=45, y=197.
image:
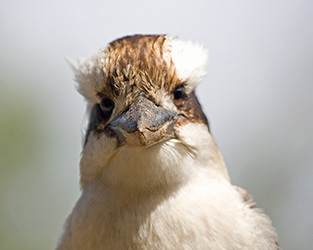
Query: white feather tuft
x=89, y=74
x=190, y=60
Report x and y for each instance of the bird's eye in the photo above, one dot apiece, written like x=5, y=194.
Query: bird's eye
x=106, y=105
x=179, y=96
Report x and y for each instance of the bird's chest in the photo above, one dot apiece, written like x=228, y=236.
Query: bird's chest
x=174, y=221
x=151, y=225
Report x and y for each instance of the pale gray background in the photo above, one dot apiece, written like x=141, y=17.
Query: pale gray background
x=257, y=95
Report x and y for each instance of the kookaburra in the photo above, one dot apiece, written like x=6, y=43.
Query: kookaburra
x=152, y=176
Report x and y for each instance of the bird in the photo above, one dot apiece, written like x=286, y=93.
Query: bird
x=151, y=174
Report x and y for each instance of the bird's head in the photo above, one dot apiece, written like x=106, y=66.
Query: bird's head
x=144, y=115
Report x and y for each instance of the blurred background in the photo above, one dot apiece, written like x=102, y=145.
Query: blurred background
x=257, y=96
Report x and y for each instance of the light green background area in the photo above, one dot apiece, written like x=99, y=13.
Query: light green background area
x=257, y=96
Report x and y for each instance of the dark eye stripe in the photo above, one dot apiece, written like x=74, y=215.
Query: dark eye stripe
x=97, y=121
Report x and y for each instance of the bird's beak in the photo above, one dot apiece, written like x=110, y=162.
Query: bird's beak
x=144, y=123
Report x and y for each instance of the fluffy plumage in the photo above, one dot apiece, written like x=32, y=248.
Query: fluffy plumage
x=152, y=176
